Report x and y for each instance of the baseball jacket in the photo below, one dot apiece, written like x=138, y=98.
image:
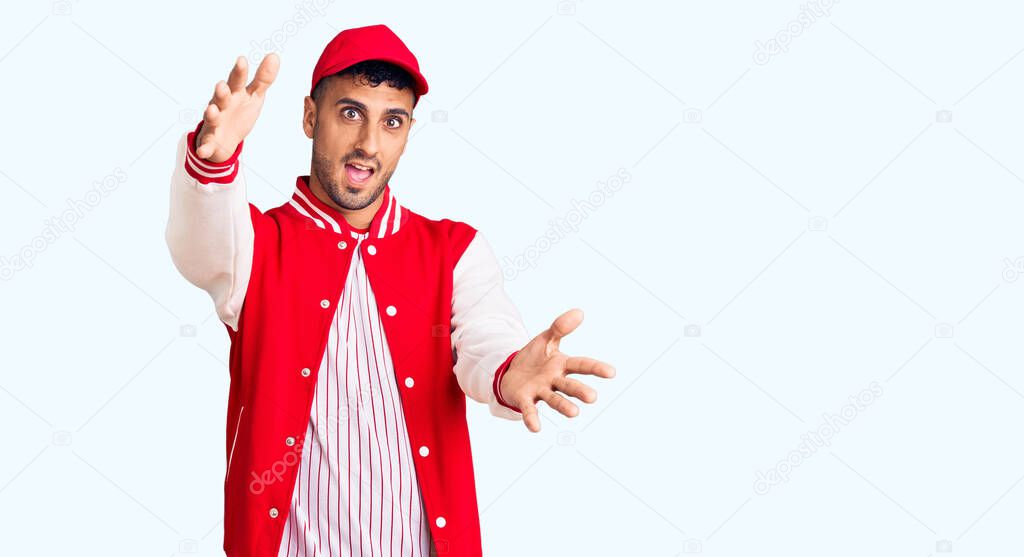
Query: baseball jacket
x=275, y=278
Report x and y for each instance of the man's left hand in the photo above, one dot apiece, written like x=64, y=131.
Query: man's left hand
x=539, y=372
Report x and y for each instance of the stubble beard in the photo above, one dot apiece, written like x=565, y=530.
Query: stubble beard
x=352, y=199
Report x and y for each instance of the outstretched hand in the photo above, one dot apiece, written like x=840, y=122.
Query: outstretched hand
x=539, y=372
x=233, y=110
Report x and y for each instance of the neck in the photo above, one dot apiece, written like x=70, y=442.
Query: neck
x=356, y=218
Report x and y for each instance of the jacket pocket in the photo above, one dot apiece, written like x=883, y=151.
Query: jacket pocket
x=234, y=440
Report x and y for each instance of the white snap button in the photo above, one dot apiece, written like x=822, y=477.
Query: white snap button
x=424, y=451
x=409, y=382
x=273, y=512
x=325, y=304
x=391, y=310
x=306, y=372
x=371, y=249
x=290, y=441
x=440, y=522
x=342, y=244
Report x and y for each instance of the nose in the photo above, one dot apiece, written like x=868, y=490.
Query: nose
x=368, y=143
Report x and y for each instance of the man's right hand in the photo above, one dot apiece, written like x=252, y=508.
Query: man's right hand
x=233, y=110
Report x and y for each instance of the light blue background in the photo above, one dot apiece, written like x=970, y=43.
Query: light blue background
x=846, y=211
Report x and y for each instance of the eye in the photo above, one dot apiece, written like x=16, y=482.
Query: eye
x=350, y=113
x=393, y=122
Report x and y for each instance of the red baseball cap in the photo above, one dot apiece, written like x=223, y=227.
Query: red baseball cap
x=374, y=42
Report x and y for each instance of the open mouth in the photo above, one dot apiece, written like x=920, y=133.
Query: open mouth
x=357, y=173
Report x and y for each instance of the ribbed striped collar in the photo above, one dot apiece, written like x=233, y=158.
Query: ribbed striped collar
x=387, y=221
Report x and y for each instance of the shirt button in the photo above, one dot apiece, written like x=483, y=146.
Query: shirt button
x=391, y=310
x=409, y=382
x=440, y=522
x=273, y=512
x=342, y=244
x=325, y=304
x=424, y=451
x=290, y=441
x=371, y=249
x=305, y=372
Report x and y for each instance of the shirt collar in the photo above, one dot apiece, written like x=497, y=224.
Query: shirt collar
x=387, y=221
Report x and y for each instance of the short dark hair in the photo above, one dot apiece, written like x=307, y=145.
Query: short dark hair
x=374, y=72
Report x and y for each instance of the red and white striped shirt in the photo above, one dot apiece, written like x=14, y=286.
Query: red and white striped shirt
x=356, y=492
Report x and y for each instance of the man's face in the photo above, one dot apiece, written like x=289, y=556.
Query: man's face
x=353, y=125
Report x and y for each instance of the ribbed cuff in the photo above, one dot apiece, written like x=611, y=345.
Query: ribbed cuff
x=497, y=381
x=206, y=171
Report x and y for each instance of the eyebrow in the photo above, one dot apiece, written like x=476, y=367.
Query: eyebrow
x=361, y=106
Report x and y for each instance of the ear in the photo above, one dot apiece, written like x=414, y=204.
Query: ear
x=308, y=116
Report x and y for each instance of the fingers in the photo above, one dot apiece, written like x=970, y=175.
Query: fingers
x=530, y=415
x=563, y=325
x=221, y=94
x=239, y=73
x=575, y=389
x=589, y=366
x=560, y=404
x=211, y=114
x=555, y=401
x=207, y=147
x=205, y=150
x=265, y=74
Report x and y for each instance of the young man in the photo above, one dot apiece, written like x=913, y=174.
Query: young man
x=357, y=326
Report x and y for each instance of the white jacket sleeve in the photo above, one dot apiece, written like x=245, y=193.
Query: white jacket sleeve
x=209, y=229
x=486, y=326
